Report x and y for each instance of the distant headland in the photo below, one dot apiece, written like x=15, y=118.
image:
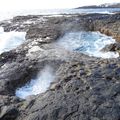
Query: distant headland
x=106, y=5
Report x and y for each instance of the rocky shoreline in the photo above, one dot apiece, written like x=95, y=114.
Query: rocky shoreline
x=85, y=88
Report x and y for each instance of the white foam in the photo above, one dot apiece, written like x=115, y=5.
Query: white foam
x=38, y=85
x=1, y=30
x=10, y=40
x=89, y=43
x=35, y=49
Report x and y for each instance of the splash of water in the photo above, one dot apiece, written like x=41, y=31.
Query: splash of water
x=89, y=43
x=38, y=85
x=10, y=40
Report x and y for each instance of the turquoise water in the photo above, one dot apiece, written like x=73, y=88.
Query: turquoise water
x=89, y=43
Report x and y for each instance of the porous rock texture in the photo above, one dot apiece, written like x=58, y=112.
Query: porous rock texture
x=85, y=88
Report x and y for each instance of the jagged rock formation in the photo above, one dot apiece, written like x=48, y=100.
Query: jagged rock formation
x=85, y=88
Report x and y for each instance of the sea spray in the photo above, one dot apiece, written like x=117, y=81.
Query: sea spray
x=37, y=85
x=10, y=40
x=89, y=43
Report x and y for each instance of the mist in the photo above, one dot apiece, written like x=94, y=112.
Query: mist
x=38, y=85
x=10, y=40
x=89, y=43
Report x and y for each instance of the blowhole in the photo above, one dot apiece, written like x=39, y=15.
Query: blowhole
x=89, y=43
x=37, y=85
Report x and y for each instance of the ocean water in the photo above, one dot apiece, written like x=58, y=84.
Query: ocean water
x=89, y=43
x=10, y=40
x=8, y=14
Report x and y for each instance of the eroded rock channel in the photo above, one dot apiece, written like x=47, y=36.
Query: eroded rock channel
x=85, y=87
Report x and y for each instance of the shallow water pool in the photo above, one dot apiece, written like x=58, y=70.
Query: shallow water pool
x=89, y=43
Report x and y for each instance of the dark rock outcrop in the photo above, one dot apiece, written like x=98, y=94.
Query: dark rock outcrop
x=115, y=47
x=9, y=113
x=85, y=88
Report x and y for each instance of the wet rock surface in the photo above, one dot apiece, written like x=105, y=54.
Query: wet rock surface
x=85, y=88
x=112, y=47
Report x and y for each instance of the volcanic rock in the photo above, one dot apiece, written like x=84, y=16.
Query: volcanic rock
x=85, y=88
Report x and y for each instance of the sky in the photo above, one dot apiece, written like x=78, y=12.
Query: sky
x=49, y=4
